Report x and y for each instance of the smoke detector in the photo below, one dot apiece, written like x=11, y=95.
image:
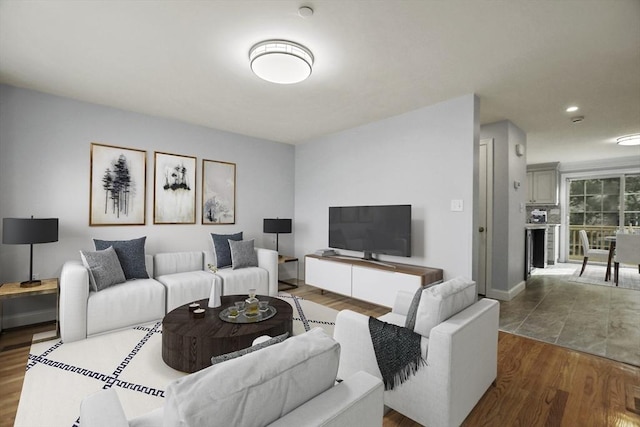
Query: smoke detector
x=577, y=119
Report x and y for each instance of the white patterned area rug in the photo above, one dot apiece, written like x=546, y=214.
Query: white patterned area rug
x=60, y=375
x=629, y=278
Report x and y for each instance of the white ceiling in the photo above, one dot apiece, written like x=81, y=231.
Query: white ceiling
x=188, y=60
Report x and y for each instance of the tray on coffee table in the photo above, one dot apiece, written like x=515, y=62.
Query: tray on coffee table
x=242, y=317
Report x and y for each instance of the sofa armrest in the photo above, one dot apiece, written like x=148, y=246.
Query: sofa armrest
x=74, y=295
x=357, y=401
x=102, y=409
x=402, y=303
x=356, y=350
x=463, y=357
x=268, y=259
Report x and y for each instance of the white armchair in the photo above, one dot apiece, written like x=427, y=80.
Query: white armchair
x=461, y=356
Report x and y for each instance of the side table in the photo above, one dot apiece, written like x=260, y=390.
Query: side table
x=282, y=259
x=48, y=286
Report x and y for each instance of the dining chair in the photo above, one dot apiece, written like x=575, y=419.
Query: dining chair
x=594, y=254
x=627, y=252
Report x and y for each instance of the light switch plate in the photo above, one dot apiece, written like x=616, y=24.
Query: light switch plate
x=457, y=206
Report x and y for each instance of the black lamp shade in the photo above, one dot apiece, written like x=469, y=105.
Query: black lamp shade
x=277, y=225
x=24, y=231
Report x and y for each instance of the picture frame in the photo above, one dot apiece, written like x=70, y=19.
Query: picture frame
x=218, y=192
x=117, y=185
x=174, y=189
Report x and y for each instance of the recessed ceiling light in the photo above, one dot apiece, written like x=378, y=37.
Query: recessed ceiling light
x=629, y=139
x=572, y=109
x=281, y=61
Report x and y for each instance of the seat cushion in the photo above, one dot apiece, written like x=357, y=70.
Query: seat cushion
x=183, y=288
x=442, y=301
x=258, y=388
x=238, y=282
x=177, y=262
x=126, y=304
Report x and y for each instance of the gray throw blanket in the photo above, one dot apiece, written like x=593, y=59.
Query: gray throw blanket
x=397, y=351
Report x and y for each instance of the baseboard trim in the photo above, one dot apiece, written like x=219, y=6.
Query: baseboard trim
x=506, y=295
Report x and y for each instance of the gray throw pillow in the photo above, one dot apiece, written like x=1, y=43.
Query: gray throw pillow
x=234, y=354
x=410, y=321
x=131, y=256
x=221, y=247
x=104, y=268
x=243, y=254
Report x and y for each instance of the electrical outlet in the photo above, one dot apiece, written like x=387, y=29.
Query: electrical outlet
x=36, y=276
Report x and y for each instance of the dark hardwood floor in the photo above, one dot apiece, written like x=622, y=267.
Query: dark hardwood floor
x=538, y=384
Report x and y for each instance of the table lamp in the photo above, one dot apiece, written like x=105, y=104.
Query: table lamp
x=28, y=231
x=277, y=226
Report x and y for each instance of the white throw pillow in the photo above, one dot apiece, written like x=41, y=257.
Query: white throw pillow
x=440, y=302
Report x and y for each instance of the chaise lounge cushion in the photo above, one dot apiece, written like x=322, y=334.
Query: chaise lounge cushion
x=258, y=388
x=131, y=255
x=440, y=302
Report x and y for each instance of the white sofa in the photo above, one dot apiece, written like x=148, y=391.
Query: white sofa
x=287, y=384
x=178, y=278
x=461, y=356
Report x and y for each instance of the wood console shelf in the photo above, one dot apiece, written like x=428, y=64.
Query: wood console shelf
x=372, y=281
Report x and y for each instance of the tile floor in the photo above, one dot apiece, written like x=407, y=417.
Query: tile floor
x=600, y=320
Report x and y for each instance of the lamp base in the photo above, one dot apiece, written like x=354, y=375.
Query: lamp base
x=30, y=283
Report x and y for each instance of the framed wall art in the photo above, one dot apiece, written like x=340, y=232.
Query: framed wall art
x=117, y=190
x=174, y=189
x=218, y=192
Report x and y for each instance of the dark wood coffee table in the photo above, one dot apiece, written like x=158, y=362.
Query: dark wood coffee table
x=189, y=343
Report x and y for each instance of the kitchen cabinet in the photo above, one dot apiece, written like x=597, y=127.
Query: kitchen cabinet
x=542, y=184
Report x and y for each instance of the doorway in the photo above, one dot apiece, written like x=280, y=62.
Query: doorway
x=485, y=213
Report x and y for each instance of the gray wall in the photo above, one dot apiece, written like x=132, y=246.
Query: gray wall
x=425, y=158
x=44, y=171
x=509, y=213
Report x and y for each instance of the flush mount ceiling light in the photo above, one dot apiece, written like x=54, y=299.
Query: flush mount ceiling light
x=281, y=61
x=629, y=139
x=572, y=109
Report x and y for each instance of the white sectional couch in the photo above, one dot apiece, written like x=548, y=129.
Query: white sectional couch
x=175, y=279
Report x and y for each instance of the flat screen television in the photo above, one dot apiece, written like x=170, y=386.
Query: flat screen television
x=371, y=229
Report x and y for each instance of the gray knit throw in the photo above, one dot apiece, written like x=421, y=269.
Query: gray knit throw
x=397, y=351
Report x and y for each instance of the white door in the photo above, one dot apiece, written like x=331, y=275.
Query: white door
x=485, y=199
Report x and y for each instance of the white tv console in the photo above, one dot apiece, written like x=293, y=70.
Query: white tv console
x=372, y=281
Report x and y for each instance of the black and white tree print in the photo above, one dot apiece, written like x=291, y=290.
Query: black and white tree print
x=176, y=178
x=117, y=184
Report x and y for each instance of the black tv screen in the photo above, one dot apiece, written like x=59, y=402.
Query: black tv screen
x=371, y=229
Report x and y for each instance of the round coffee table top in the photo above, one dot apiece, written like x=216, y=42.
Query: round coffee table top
x=188, y=343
